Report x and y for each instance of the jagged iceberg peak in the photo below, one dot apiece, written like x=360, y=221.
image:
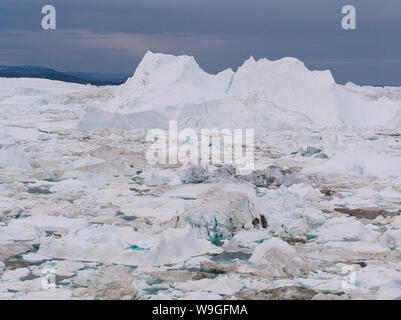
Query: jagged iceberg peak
x=287, y=68
x=285, y=63
x=286, y=60
x=259, y=89
x=161, y=69
x=157, y=69
x=162, y=80
x=152, y=62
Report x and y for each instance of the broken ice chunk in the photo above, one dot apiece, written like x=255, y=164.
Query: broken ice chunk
x=277, y=258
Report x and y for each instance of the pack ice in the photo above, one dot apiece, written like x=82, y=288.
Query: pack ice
x=83, y=215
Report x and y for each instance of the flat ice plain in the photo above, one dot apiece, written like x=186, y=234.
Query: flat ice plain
x=84, y=216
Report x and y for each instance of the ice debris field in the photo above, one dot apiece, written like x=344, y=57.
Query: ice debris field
x=84, y=216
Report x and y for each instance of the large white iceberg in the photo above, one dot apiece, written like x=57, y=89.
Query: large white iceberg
x=261, y=94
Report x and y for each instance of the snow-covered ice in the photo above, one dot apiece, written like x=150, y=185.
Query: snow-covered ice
x=81, y=206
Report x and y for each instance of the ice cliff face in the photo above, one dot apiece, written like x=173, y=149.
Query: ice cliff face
x=263, y=94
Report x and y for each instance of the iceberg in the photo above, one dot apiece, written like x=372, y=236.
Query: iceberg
x=80, y=200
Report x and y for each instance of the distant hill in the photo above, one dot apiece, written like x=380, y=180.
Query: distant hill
x=96, y=79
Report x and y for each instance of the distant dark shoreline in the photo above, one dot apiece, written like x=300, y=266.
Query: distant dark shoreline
x=71, y=77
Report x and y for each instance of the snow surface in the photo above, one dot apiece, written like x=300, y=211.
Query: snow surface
x=79, y=198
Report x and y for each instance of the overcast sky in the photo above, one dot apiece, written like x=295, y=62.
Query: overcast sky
x=111, y=36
